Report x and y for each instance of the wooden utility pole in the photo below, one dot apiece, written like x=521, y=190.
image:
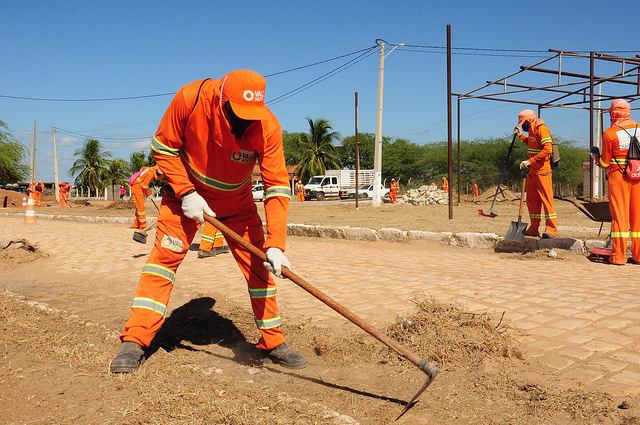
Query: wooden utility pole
x=55, y=166
x=357, y=152
x=33, y=166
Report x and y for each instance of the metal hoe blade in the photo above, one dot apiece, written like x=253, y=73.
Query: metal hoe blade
x=432, y=371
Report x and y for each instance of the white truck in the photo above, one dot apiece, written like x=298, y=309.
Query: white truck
x=335, y=183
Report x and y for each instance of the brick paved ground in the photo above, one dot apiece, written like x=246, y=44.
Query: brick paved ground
x=578, y=317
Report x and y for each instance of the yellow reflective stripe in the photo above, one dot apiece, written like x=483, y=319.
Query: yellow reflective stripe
x=547, y=140
x=207, y=238
x=603, y=164
x=283, y=191
x=619, y=234
x=554, y=215
x=149, y=304
x=213, y=183
x=159, y=271
x=635, y=234
x=535, y=215
x=262, y=292
x=269, y=323
x=619, y=161
x=157, y=146
x=534, y=150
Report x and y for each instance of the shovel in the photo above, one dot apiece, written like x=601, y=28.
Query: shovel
x=491, y=212
x=430, y=369
x=517, y=229
x=141, y=235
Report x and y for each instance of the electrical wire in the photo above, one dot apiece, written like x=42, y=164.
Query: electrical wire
x=118, y=139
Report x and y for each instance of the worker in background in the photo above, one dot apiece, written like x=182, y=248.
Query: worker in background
x=30, y=191
x=123, y=191
x=207, y=145
x=64, y=189
x=474, y=188
x=300, y=191
x=139, y=190
x=624, y=195
x=37, y=193
x=393, y=190
x=539, y=179
x=433, y=187
x=211, y=242
x=445, y=184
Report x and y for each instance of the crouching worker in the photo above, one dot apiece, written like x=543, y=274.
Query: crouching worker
x=206, y=145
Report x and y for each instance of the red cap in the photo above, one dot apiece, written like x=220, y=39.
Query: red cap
x=527, y=114
x=245, y=89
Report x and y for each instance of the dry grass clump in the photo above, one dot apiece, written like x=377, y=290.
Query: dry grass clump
x=121, y=204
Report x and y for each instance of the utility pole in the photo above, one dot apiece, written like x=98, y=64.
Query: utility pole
x=30, y=147
x=55, y=166
x=33, y=166
x=377, y=160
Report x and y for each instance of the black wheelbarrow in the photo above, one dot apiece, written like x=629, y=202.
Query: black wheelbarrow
x=596, y=211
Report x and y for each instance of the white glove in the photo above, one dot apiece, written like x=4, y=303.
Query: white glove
x=517, y=131
x=193, y=205
x=594, y=155
x=524, y=164
x=275, y=261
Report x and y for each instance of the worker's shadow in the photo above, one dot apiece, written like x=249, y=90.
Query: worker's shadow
x=198, y=324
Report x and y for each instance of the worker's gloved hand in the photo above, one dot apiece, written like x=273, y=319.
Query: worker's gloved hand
x=517, y=131
x=275, y=261
x=524, y=164
x=193, y=205
x=594, y=151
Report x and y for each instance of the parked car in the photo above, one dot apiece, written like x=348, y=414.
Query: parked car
x=366, y=192
x=258, y=192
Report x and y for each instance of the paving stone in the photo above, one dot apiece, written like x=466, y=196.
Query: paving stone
x=601, y=346
x=584, y=376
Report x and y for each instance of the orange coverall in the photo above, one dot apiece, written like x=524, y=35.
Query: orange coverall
x=393, y=191
x=539, y=182
x=65, y=189
x=445, y=184
x=195, y=149
x=38, y=188
x=211, y=237
x=300, y=191
x=139, y=190
x=475, y=190
x=624, y=196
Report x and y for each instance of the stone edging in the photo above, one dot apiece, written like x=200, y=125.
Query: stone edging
x=466, y=239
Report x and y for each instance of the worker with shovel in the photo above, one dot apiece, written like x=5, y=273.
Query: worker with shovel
x=207, y=145
x=139, y=190
x=539, y=182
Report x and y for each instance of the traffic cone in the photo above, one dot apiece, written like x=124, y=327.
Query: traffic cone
x=24, y=201
x=30, y=213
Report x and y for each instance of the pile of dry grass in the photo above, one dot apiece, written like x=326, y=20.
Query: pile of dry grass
x=121, y=204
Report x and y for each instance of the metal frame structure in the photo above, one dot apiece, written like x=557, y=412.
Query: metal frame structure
x=572, y=90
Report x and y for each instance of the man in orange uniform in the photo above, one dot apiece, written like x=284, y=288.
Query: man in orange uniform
x=393, y=190
x=475, y=190
x=445, y=184
x=300, y=191
x=539, y=182
x=37, y=193
x=624, y=196
x=140, y=189
x=206, y=145
x=211, y=242
x=64, y=190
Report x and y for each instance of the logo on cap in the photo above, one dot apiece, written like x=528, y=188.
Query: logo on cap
x=250, y=95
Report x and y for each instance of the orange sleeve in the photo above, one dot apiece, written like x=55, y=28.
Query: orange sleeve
x=604, y=160
x=167, y=141
x=276, y=185
x=547, y=146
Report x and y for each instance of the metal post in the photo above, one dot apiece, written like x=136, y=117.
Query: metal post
x=449, y=129
x=377, y=160
x=33, y=169
x=357, y=152
x=55, y=166
x=591, y=60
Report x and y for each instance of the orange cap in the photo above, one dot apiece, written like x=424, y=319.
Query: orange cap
x=525, y=115
x=245, y=89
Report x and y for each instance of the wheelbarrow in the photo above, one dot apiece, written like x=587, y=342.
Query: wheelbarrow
x=596, y=211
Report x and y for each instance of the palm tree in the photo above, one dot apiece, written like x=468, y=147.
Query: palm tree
x=137, y=160
x=91, y=166
x=318, y=152
x=118, y=173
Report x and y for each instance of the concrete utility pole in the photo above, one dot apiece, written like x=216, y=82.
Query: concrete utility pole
x=377, y=159
x=55, y=165
x=33, y=166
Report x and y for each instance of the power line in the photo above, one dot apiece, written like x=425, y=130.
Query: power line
x=118, y=139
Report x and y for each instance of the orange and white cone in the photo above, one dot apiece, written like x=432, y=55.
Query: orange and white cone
x=30, y=213
x=24, y=201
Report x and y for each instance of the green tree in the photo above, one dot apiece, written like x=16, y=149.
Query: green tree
x=12, y=155
x=137, y=160
x=117, y=173
x=318, y=151
x=366, y=150
x=91, y=166
x=292, y=149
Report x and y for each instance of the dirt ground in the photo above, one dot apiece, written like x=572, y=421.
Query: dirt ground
x=202, y=368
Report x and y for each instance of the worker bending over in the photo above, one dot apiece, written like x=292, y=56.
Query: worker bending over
x=206, y=145
x=64, y=189
x=139, y=190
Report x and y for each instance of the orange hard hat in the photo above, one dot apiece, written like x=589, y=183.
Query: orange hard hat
x=525, y=115
x=244, y=89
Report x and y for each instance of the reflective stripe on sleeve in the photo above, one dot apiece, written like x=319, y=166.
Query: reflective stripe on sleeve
x=547, y=140
x=159, y=271
x=149, y=304
x=208, y=181
x=603, y=164
x=163, y=149
x=283, y=191
x=262, y=292
x=269, y=323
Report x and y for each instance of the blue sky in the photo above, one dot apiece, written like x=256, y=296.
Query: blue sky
x=79, y=50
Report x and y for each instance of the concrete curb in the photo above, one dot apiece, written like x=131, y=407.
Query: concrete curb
x=465, y=239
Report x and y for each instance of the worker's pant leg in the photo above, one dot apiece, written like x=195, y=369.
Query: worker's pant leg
x=211, y=237
x=619, y=197
x=174, y=235
x=534, y=205
x=634, y=218
x=141, y=216
x=545, y=188
x=61, y=199
x=300, y=197
x=262, y=288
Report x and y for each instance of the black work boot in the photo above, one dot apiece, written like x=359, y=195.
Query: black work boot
x=221, y=249
x=286, y=358
x=204, y=254
x=129, y=359
x=547, y=235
